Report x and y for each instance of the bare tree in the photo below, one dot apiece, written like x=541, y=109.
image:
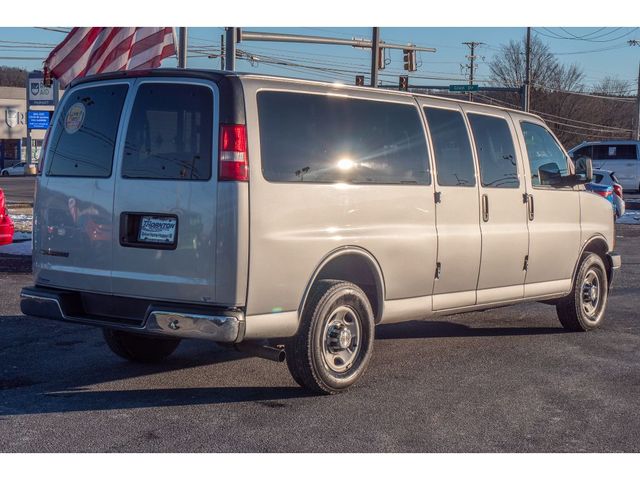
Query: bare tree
x=508, y=67
x=613, y=87
x=12, y=77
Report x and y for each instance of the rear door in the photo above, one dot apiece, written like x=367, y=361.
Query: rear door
x=505, y=236
x=165, y=194
x=621, y=159
x=457, y=208
x=73, y=228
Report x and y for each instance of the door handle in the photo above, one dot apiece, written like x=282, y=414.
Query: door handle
x=485, y=207
x=530, y=207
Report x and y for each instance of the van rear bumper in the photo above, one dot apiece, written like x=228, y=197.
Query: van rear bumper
x=166, y=319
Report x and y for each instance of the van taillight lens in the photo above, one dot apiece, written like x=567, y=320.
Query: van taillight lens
x=234, y=160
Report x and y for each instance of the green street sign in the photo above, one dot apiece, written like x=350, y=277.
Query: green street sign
x=463, y=88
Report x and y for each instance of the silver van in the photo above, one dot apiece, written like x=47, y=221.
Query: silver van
x=620, y=156
x=291, y=217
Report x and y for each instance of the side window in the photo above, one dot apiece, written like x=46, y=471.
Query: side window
x=170, y=133
x=325, y=139
x=496, y=153
x=614, y=152
x=85, y=132
x=546, y=159
x=452, y=149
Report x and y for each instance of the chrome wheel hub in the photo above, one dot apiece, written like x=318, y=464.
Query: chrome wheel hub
x=591, y=293
x=341, y=339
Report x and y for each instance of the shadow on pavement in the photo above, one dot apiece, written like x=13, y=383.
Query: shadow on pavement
x=56, y=372
x=54, y=368
x=438, y=329
x=81, y=400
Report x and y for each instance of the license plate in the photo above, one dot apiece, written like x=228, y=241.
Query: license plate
x=157, y=229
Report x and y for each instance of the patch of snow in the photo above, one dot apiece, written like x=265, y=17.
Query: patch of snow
x=631, y=217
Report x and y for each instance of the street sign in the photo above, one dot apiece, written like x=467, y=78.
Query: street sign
x=463, y=88
x=37, y=93
x=38, y=119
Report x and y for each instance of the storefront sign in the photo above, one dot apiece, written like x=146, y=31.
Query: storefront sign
x=38, y=119
x=37, y=93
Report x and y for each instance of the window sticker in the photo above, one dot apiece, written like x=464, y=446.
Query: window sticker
x=612, y=151
x=75, y=118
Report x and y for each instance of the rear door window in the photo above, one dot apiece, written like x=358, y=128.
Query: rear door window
x=452, y=149
x=85, y=132
x=547, y=161
x=326, y=139
x=170, y=133
x=496, y=153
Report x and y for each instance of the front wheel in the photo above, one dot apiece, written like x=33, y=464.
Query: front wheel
x=139, y=348
x=335, y=340
x=583, y=309
x=5, y=174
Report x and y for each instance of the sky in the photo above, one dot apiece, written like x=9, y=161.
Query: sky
x=599, y=51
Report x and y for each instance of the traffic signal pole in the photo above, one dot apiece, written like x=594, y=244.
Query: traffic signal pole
x=375, y=47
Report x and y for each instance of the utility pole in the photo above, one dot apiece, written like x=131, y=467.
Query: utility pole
x=636, y=43
x=230, y=47
x=526, y=97
x=182, y=47
x=472, y=57
x=375, y=47
x=222, y=52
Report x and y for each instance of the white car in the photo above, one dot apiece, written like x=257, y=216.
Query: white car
x=17, y=169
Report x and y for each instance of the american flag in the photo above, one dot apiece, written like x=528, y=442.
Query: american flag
x=91, y=50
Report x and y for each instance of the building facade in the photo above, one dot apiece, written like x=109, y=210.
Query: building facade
x=13, y=128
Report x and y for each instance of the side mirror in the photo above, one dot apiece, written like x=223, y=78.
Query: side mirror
x=584, y=169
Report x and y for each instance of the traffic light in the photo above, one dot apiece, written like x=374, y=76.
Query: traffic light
x=409, y=57
x=359, y=80
x=404, y=82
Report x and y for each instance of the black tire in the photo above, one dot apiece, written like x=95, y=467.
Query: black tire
x=139, y=348
x=315, y=355
x=5, y=174
x=581, y=310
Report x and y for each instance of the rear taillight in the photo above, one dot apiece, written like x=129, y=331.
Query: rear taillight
x=233, y=159
x=618, y=190
x=604, y=193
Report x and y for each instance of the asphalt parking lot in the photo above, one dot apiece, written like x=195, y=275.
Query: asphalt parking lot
x=509, y=379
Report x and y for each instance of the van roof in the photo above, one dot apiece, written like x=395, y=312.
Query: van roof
x=217, y=75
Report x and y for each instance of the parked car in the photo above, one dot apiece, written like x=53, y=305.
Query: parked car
x=17, y=169
x=606, y=177
x=6, y=224
x=620, y=156
x=264, y=212
x=605, y=191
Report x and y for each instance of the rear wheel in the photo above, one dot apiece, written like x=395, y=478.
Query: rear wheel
x=584, y=308
x=5, y=174
x=335, y=340
x=139, y=348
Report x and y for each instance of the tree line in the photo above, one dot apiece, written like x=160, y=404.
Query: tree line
x=575, y=113
x=12, y=77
